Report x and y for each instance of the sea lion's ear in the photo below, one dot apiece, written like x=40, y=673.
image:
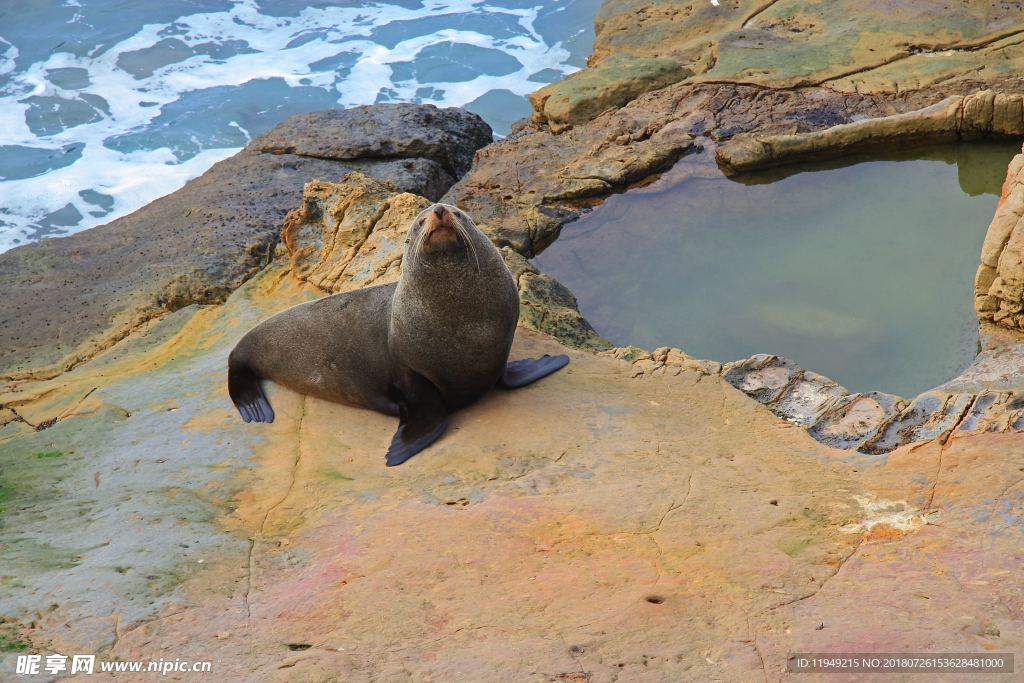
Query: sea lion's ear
x=423, y=418
x=519, y=373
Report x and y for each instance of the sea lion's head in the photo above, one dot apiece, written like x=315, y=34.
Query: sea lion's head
x=443, y=234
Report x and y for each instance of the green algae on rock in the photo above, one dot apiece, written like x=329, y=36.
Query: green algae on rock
x=611, y=83
x=784, y=44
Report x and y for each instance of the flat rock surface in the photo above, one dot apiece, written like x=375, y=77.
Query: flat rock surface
x=598, y=525
x=66, y=299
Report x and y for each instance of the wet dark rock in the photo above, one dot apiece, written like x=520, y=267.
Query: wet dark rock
x=449, y=137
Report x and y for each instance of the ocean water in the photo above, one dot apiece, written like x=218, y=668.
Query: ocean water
x=861, y=269
x=106, y=105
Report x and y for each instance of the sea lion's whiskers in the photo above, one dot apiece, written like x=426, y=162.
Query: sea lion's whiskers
x=470, y=247
x=419, y=238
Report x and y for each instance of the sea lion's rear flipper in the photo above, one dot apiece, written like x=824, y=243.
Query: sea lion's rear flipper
x=247, y=394
x=423, y=418
x=519, y=373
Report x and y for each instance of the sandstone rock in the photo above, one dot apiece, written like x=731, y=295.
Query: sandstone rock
x=955, y=117
x=810, y=400
x=996, y=367
x=621, y=502
x=662, y=361
x=611, y=83
x=855, y=418
x=994, y=411
x=762, y=377
x=621, y=487
x=876, y=423
x=930, y=416
x=522, y=189
x=999, y=283
x=349, y=234
x=804, y=401
x=630, y=354
x=786, y=45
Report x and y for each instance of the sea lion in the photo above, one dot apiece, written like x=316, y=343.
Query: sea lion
x=432, y=343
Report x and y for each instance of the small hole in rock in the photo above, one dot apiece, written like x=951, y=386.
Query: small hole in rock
x=299, y=646
x=655, y=599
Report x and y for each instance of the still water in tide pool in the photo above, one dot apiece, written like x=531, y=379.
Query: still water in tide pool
x=860, y=269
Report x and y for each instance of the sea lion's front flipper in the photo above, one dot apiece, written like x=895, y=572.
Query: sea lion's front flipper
x=247, y=394
x=423, y=419
x=519, y=373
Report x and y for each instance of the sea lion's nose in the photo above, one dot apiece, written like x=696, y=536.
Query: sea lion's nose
x=439, y=211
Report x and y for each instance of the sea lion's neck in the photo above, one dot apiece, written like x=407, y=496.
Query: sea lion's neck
x=447, y=314
x=451, y=288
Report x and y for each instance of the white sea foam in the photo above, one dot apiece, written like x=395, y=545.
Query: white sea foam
x=7, y=57
x=134, y=177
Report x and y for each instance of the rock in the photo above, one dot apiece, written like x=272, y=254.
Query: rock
x=854, y=419
x=523, y=189
x=622, y=489
x=786, y=46
x=954, y=118
x=930, y=416
x=549, y=307
x=997, y=365
x=448, y=137
x=994, y=411
x=349, y=234
x=762, y=377
x=621, y=502
x=662, y=361
x=69, y=298
x=999, y=283
x=639, y=46
x=631, y=354
x=611, y=83
x=876, y=423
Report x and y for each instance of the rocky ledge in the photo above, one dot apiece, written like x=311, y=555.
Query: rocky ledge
x=584, y=528
x=635, y=517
